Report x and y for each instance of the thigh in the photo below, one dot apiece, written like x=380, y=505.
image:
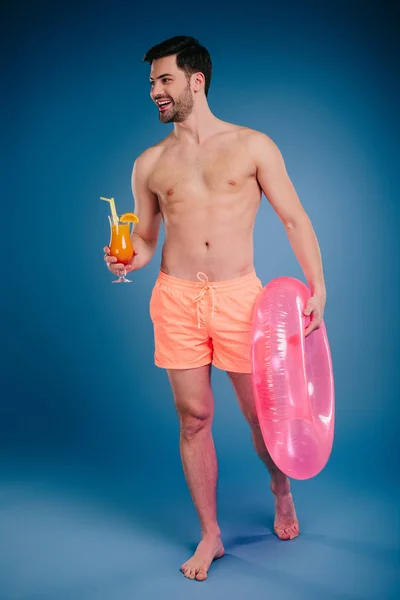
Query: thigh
x=179, y=342
x=231, y=331
x=192, y=392
x=243, y=386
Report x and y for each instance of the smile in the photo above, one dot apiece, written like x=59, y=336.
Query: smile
x=163, y=104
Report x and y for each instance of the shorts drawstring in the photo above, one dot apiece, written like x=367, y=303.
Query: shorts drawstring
x=201, y=294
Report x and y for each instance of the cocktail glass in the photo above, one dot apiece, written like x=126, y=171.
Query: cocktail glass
x=121, y=246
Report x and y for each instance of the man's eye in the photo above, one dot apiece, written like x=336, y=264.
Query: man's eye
x=166, y=79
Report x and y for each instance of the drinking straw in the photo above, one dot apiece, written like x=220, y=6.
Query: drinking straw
x=113, y=209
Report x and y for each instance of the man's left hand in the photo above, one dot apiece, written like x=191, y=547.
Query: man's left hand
x=315, y=310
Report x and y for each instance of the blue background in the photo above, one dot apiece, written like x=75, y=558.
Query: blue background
x=94, y=503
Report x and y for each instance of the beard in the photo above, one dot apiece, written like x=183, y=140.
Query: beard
x=179, y=109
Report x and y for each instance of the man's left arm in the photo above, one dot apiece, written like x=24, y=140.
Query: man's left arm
x=281, y=194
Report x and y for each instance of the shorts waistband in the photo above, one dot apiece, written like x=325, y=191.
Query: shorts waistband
x=218, y=286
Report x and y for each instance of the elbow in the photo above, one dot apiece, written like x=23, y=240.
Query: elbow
x=293, y=222
x=289, y=224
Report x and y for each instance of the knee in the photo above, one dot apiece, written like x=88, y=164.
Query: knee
x=192, y=423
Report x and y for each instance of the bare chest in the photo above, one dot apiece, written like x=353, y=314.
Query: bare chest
x=182, y=173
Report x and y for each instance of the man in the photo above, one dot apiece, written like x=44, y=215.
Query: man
x=205, y=180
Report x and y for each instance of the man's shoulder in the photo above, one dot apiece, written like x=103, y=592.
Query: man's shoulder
x=258, y=142
x=253, y=134
x=149, y=156
x=247, y=134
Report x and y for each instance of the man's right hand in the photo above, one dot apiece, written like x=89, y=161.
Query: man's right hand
x=116, y=267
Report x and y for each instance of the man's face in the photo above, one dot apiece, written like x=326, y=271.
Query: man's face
x=170, y=84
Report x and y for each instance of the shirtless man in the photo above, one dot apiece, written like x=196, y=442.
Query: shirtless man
x=205, y=180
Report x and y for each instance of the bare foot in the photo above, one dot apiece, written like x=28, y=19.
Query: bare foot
x=286, y=525
x=208, y=550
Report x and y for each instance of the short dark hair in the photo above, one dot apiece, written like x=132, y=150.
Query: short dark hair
x=191, y=57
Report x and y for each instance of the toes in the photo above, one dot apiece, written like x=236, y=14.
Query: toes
x=189, y=573
x=201, y=575
x=281, y=532
x=287, y=532
x=293, y=531
x=282, y=535
x=185, y=570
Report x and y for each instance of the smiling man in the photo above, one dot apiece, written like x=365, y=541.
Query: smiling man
x=205, y=181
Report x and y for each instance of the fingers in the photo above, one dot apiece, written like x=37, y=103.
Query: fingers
x=109, y=259
x=118, y=268
x=112, y=262
x=312, y=327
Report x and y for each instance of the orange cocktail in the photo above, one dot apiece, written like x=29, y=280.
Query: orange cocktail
x=121, y=246
x=121, y=242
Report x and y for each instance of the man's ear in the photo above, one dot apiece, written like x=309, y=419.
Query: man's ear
x=198, y=81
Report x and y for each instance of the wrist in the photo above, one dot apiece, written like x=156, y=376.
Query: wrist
x=318, y=290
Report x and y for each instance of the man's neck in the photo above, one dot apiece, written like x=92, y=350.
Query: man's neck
x=200, y=124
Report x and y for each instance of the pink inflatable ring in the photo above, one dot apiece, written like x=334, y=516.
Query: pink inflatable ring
x=292, y=380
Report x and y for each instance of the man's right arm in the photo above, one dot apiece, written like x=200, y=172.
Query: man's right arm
x=145, y=233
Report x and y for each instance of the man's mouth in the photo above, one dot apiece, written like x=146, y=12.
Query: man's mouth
x=163, y=104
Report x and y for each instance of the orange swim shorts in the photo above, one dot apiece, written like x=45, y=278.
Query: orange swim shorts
x=202, y=322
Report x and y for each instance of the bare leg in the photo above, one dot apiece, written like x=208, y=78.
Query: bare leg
x=286, y=525
x=195, y=407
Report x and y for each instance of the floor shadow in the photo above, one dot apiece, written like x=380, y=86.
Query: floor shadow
x=246, y=540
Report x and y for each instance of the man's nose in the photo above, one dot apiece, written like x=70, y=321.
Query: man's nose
x=156, y=91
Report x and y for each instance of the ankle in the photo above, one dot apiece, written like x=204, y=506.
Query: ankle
x=210, y=533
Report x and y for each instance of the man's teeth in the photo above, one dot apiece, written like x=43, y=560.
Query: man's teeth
x=164, y=102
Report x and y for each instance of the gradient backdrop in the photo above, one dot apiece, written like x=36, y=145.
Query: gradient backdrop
x=93, y=499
